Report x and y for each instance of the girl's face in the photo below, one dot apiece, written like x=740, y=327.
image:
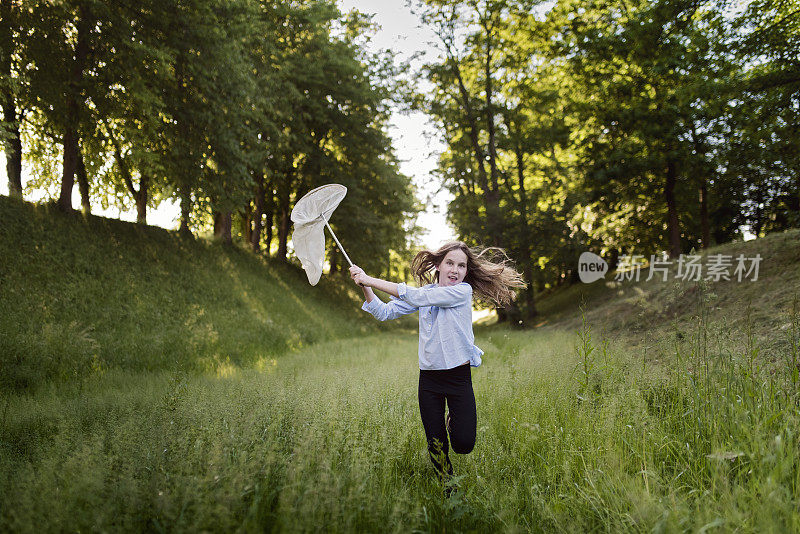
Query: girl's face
x=453, y=268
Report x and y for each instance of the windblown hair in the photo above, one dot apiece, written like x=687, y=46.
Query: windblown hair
x=489, y=272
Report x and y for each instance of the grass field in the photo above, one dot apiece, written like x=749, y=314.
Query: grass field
x=584, y=425
x=329, y=438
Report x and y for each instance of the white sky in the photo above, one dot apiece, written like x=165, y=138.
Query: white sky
x=412, y=135
x=415, y=149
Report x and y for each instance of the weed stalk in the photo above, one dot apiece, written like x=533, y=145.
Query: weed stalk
x=585, y=351
x=794, y=347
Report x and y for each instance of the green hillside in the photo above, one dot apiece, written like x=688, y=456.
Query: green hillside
x=79, y=295
x=630, y=308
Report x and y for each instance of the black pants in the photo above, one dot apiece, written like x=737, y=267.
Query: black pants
x=455, y=387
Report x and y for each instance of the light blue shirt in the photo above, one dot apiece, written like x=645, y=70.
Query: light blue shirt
x=446, y=339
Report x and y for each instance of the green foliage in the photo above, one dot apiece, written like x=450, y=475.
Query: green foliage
x=230, y=108
x=764, y=151
x=626, y=127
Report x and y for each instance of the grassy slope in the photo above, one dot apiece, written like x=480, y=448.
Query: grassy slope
x=79, y=295
x=631, y=309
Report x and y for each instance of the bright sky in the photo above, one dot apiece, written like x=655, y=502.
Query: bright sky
x=413, y=137
x=415, y=149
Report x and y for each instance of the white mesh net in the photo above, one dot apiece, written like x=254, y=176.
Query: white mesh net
x=309, y=216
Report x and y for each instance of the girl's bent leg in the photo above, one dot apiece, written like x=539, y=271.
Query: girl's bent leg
x=463, y=419
x=431, y=409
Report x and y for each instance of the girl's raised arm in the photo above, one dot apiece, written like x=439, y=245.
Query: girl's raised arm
x=361, y=278
x=383, y=311
x=443, y=297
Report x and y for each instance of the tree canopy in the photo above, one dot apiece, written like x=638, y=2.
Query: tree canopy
x=627, y=127
x=234, y=109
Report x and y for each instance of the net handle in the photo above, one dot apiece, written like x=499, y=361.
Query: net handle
x=339, y=244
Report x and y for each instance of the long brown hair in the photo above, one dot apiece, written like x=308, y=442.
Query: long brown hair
x=489, y=272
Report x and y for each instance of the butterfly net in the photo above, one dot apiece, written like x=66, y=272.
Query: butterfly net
x=309, y=216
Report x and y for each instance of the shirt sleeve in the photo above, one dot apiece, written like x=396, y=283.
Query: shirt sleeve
x=384, y=311
x=443, y=297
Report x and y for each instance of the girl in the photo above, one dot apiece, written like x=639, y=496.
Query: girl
x=446, y=340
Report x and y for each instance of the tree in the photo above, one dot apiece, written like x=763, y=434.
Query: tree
x=768, y=111
x=470, y=43
x=494, y=99
x=131, y=117
x=647, y=72
x=14, y=64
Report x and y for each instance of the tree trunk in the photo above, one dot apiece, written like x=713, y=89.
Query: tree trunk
x=502, y=315
x=83, y=183
x=13, y=145
x=612, y=258
x=527, y=239
x=333, y=260
x=269, y=216
x=247, y=223
x=705, y=227
x=141, y=197
x=70, y=159
x=758, y=223
x=186, y=209
x=672, y=210
x=72, y=117
x=795, y=205
x=530, y=293
x=700, y=149
x=13, y=151
x=511, y=314
x=283, y=228
x=222, y=226
x=258, y=213
x=226, y=236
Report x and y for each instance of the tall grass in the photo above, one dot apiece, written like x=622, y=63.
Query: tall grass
x=704, y=435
